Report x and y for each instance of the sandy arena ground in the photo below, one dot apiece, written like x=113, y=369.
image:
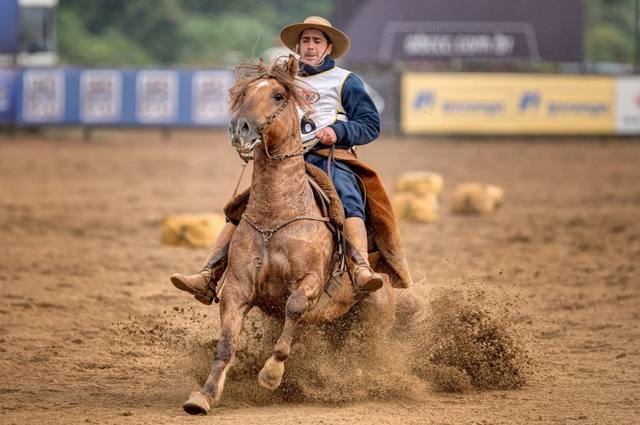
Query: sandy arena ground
x=91, y=331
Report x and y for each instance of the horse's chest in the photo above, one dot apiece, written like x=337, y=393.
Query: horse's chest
x=282, y=269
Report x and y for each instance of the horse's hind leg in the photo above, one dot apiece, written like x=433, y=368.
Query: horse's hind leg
x=233, y=310
x=298, y=302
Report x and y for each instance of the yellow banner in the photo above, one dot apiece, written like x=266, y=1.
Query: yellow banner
x=507, y=104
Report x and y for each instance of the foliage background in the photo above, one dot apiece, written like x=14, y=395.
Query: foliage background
x=222, y=32
x=186, y=32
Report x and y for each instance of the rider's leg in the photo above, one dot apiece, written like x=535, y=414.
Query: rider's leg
x=364, y=277
x=353, y=202
x=197, y=284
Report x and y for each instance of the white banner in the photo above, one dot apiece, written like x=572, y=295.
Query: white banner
x=628, y=105
x=100, y=96
x=43, y=96
x=157, y=96
x=210, y=95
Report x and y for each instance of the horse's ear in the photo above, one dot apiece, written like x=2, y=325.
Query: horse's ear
x=261, y=61
x=292, y=66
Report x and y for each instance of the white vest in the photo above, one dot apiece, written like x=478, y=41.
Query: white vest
x=328, y=109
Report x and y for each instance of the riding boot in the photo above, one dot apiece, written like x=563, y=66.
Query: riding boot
x=363, y=276
x=202, y=285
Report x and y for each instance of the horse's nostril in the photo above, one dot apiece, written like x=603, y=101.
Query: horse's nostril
x=245, y=129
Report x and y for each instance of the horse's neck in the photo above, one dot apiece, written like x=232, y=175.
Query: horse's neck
x=279, y=189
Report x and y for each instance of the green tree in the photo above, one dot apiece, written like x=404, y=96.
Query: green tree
x=609, y=30
x=186, y=32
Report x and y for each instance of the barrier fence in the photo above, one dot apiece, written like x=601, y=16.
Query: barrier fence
x=123, y=97
x=413, y=103
x=507, y=104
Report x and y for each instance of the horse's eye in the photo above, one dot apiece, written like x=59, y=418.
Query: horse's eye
x=278, y=97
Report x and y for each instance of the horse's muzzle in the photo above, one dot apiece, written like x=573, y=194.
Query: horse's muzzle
x=244, y=136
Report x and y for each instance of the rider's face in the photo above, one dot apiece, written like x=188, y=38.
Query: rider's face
x=314, y=46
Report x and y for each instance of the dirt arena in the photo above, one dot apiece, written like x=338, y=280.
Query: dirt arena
x=91, y=331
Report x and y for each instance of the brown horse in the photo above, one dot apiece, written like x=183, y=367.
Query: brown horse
x=281, y=253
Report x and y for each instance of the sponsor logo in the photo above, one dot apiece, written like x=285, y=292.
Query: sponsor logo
x=210, y=96
x=310, y=97
x=473, y=107
x=100, y=98
x=157, y=96
x=530, y=100
x=577, y=108
x=466, y=45
x=424, y=100
x=43, y=96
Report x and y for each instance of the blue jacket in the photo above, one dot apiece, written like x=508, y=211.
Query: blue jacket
x=364, y=121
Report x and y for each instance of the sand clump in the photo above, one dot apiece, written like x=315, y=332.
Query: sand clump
x=471, y=344
x=192, y=230
x=476, y=198
x=416, y=197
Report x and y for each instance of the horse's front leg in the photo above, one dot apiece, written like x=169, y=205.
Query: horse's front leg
x=234, y=307
x=298, y=302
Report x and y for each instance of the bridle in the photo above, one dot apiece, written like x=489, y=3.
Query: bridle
x=247, y=154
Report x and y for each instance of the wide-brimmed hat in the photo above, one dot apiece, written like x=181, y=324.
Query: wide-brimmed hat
x=290, y=35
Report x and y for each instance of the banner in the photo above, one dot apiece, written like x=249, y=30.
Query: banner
x=507, y=104
x=100, y=96
x=424, y=30
x=157, y=96
x=209, y=94
x=628, y=105
x=8, y=79
x=43, y=99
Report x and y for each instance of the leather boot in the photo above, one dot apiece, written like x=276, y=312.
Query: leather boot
x=364, y=277
x=202, y=284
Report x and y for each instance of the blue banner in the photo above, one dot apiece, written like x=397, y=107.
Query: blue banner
x=8, y=81
x=111, y=97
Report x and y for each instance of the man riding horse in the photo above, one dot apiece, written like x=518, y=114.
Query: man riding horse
x=344, y=116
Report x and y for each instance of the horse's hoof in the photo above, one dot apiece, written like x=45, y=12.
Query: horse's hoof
x=270, y=375
x=198, y=404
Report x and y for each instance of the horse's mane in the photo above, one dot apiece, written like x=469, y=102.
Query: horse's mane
x=246, y=73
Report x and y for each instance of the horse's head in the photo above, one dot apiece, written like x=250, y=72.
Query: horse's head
x=263, y=101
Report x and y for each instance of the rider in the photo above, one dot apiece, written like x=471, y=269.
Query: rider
x=344, y=116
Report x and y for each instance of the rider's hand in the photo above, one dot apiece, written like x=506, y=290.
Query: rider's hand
x=327, y=136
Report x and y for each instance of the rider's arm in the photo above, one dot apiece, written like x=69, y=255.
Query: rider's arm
x=363, y=125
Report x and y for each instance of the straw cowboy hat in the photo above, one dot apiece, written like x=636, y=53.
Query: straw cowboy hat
x=290, y=35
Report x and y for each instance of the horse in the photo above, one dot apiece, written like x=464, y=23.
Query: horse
x=280, y=256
